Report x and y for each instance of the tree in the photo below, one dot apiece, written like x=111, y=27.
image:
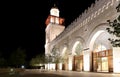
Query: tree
x=17, y=58
x=56, y=56
x=39, y=59
x=64, y=57
x=115, y=29
x=2, y=60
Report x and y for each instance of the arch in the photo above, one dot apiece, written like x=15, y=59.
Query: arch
x=74, y=43
x=97, y=33
x=77, y=53
x=77, y=48
x=99, y=44
x=64, y=52
x=94, y=38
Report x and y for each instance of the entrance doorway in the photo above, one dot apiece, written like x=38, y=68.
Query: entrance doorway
x=103, y=65
x=103, y=61
x=79, y=63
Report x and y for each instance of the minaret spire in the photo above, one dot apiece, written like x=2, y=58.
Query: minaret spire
x=54, y=16
x=54, y=5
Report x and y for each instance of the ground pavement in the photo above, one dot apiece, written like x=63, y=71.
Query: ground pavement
x=38, y=73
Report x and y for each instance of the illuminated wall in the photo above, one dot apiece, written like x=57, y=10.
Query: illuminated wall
x=91, y=28
x=70, y=62
x=116, y=59
x=86, y=60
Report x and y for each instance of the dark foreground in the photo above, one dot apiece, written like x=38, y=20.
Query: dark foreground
x=38, y=73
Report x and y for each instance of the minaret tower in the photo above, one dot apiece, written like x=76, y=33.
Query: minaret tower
x=54, y=26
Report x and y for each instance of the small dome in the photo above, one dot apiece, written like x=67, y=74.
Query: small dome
x=54, y=11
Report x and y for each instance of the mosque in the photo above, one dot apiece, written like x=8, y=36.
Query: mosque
x=84, y=44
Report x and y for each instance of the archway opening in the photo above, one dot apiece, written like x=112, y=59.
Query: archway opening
x=101, y=49
x=77, y=52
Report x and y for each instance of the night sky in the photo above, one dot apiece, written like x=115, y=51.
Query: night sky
x=23, y=23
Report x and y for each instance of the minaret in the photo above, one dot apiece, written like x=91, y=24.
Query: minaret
x=54, y=17
x=54, y=26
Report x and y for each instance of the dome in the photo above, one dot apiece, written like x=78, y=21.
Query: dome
x=54, y=11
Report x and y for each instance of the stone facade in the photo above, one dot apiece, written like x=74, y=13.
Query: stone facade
x=89, y=32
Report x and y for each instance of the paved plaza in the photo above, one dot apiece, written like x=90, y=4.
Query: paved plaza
x=38, y=73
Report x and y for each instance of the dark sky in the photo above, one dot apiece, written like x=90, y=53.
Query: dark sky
x=23, y=22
